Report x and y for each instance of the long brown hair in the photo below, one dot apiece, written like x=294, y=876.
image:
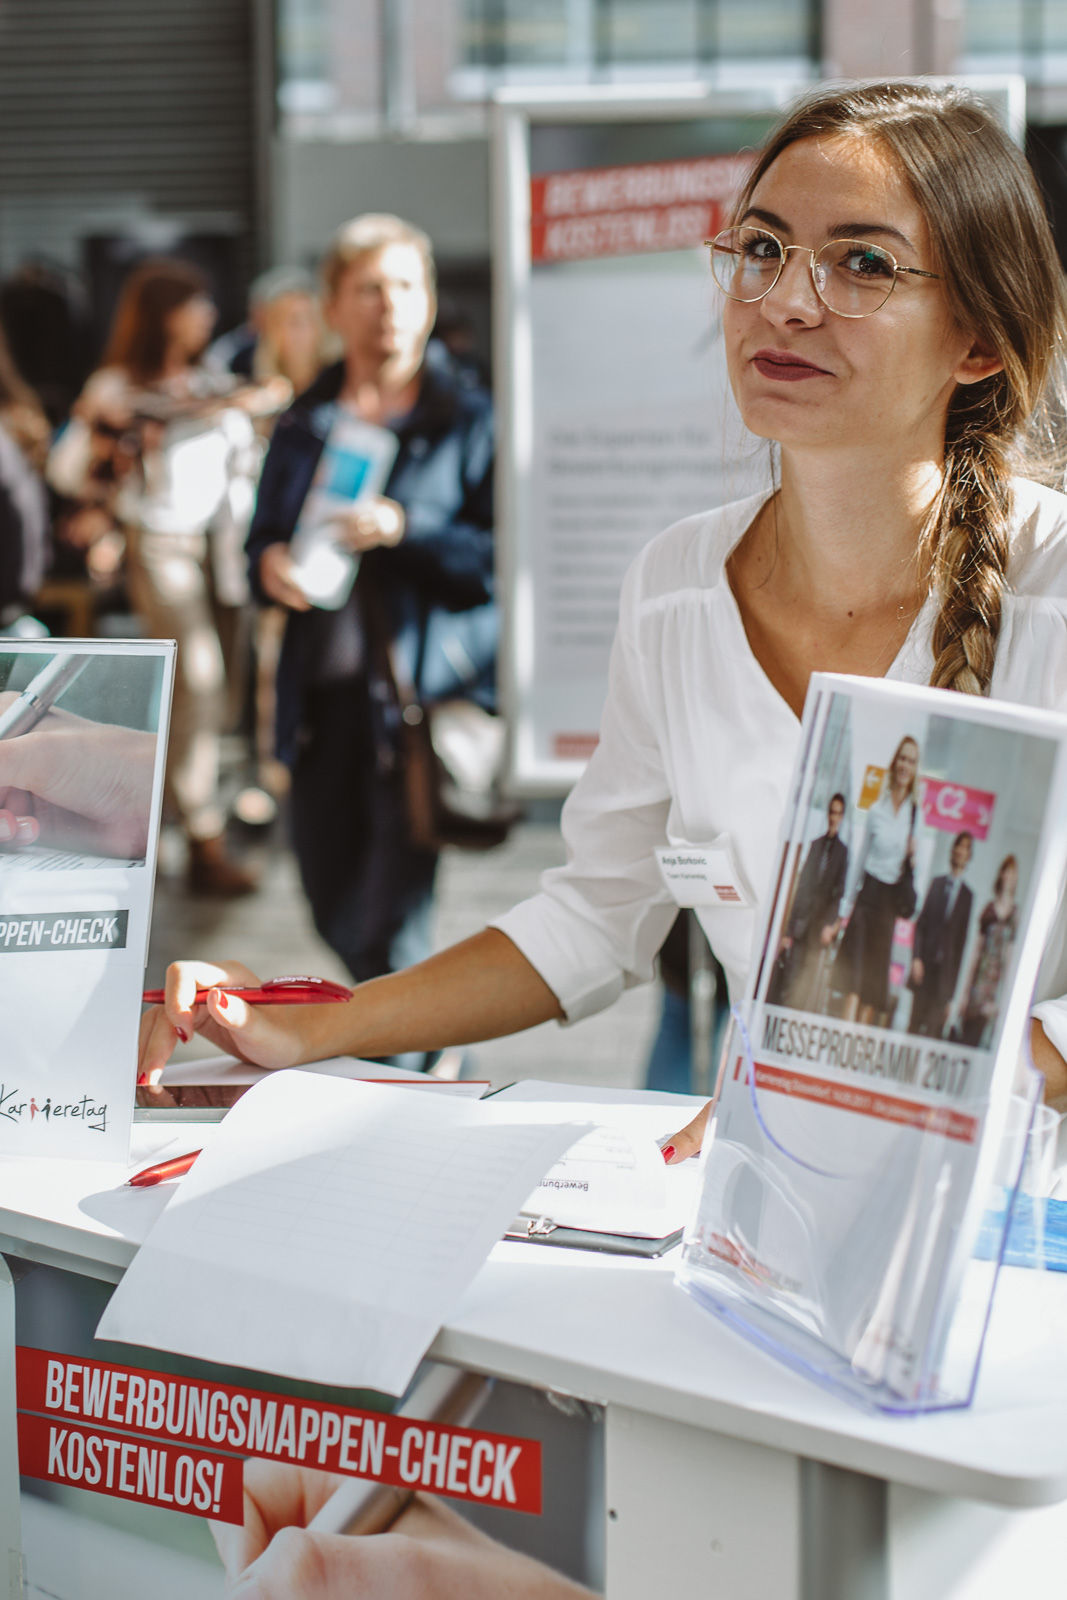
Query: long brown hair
x=1001, y=276
x=998, y=882
x=155, y=288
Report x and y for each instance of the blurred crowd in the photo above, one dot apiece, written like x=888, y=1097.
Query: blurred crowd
x=153, y=490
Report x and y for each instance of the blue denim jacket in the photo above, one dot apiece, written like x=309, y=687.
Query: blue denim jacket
x=436, y=586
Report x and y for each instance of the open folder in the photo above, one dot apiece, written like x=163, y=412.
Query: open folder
x=611, y=1190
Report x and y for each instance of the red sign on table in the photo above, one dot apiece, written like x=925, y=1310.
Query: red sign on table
x=127, y=1409
x=633, y=210
x=148, y=1471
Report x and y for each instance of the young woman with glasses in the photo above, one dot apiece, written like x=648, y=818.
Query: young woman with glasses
x=893, y=317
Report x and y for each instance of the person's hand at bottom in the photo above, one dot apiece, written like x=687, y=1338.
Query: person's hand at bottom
x=430, y=1553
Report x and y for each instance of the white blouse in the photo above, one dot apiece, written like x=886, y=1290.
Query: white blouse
x=886, y=839
x=696, y=743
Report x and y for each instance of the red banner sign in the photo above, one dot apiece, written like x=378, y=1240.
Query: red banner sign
x=150, y=1472
x=633, y=210
x=182, y=1413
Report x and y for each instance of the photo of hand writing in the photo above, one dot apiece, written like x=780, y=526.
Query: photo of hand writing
x=76, y=778
x=429, y=1552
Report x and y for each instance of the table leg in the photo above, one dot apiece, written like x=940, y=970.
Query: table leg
x=10, y=1516
x=845, y=1540
x=694, y=1513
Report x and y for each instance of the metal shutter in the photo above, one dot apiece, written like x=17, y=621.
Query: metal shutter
x=112, y=110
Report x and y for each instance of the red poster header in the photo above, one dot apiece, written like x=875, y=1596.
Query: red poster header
x=459, y=1462
x=147, y=1471
x=634, y=210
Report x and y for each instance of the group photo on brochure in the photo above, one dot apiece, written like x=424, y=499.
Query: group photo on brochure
x=904, y=907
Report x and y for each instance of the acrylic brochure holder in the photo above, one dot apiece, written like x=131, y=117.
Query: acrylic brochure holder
x=860, y=1171
x=752, y=1310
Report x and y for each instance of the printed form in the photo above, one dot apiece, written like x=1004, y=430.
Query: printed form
x=329, y=1227
x=613, y=1179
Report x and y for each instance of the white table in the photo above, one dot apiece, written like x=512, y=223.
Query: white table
x=727, y=1475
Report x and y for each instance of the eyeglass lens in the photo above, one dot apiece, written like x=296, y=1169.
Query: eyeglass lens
x=851, y=277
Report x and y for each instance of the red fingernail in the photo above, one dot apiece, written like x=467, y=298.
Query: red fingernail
x=182, y=1035
x=142, y=1077
x=222, y=1003
x=668, y=1151
x=28, y=830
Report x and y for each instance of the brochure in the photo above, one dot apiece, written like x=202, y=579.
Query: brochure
x=866, y=1079
x=355, y=464
x=82, y=747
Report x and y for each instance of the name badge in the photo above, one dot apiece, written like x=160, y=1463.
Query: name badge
x=703, y=874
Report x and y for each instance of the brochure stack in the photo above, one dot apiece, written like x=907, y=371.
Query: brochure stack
x=877, y=1064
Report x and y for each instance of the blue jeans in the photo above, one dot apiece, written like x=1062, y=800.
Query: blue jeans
x=670, y=1064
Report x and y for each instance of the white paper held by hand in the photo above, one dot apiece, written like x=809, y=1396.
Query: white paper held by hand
x=329, y=1228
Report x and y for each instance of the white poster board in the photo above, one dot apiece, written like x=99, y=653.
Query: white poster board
x=83, y=736
x=616, y=417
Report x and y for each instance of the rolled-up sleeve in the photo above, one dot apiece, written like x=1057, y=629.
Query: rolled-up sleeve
x=598, y=922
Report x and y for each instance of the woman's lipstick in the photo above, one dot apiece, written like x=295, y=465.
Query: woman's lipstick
x=785, y=367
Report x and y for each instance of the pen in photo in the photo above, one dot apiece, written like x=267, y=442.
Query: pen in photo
x=442, y=1395
x=41, y=694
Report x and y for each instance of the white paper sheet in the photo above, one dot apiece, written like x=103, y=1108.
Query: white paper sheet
x=614, y=1180
x=329, y=1227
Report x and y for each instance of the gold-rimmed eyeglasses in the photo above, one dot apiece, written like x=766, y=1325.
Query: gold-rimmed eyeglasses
x=852, y=277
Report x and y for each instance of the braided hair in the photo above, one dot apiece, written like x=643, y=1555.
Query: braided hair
x=993, y=248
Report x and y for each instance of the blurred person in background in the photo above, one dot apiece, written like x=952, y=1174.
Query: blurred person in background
x=161, y=451
x=285, y=336
x=24, y=510
x=424, y=593
x=44, y=310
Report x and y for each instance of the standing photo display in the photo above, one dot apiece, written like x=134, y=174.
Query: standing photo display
x=83, y=733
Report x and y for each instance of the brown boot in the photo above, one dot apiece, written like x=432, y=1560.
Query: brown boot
x=212, y=872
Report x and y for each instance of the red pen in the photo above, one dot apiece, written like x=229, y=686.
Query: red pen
x=163, y=1171
x=275, y=992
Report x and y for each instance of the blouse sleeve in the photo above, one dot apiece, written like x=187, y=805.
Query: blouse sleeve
x=598, y=922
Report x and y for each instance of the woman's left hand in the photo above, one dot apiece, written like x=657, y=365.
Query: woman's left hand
x=371, y=523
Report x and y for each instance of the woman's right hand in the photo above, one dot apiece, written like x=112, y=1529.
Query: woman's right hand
x=276, y=568
x=264, y=1036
